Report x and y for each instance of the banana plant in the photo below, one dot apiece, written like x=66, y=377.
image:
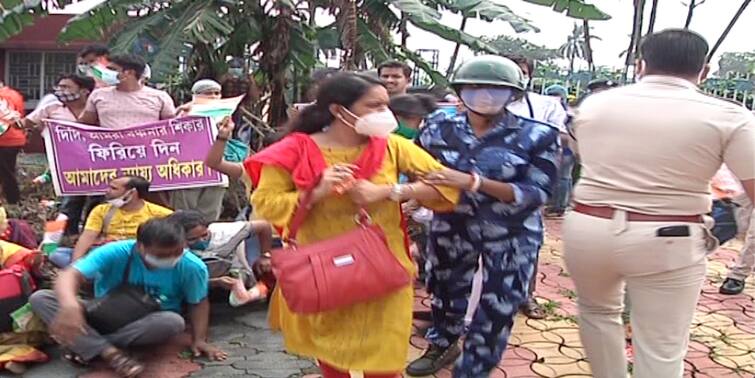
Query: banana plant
x=578, y=9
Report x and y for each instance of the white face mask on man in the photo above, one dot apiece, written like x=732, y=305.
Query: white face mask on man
x=378, y=124
x=161, y=263
x=122, y=200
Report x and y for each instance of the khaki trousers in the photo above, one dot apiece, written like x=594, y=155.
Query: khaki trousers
x=745, y=216
x=662, y=275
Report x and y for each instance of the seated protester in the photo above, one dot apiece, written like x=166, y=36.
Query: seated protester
x=17, y=231
x=117, y=219
x=156, y=262
x=221, y=247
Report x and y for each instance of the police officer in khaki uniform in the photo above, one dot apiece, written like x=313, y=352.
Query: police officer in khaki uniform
x=648, y=153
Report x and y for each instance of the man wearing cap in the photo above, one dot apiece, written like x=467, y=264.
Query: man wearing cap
x=562, y=192
x=648, y=153
x=206, y=200
x=505, y=164
x=597, y=86
x=237, y=81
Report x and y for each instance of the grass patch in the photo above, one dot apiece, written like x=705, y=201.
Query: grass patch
x=569, y=293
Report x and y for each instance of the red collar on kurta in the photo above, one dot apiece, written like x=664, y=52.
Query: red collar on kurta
x=300, y=155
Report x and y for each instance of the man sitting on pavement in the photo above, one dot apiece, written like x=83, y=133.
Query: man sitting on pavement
x=117, y=219
x=156, y=262
x=221, y=246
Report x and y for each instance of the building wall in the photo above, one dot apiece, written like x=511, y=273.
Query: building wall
x=32, y=60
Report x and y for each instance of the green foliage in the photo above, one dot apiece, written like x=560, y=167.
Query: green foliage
x=18, y=14
x=741, y=63
x=488, y=11
x=517, y=46
x=574, y=8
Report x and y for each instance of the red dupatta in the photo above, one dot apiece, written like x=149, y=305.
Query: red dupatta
x=299, y=155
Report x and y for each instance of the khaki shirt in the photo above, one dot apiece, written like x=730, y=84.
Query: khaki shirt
x=654, y=146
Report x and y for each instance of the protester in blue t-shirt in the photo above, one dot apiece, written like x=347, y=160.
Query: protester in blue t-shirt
x=157, y=262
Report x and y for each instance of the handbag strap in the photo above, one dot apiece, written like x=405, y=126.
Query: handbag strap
x=300, y=215
x=124, y=280
x=106, y=220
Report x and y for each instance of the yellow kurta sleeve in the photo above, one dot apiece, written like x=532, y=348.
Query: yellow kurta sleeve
x=415, y=161
x=275, y=198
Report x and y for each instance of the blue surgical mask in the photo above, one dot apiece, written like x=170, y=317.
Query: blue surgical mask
x=235, y=71
x=486, y=101
x=161, y=263
x=200, y=245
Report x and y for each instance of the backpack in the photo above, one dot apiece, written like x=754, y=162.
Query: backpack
x=16, y=285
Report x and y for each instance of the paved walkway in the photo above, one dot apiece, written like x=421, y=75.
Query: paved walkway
x=723, y=336
x=722, y=341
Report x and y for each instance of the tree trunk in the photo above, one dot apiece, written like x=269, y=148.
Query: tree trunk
x=403, y=30
x=455, y=55
x=312, y=10
x=571, y=63
x=639, y=6
x=348, y=13
x=690, y=12
x=588, y=45
x=723, y=36
x=653, y=14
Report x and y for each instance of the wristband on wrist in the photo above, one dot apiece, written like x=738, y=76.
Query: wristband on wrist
x=476, y=183
x=396, y=192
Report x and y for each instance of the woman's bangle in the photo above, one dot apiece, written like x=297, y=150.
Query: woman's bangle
x=476, y=182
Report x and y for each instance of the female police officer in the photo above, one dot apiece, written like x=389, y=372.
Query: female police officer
x=506, y=165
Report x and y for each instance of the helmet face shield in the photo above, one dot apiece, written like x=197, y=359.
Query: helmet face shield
x=486, y=100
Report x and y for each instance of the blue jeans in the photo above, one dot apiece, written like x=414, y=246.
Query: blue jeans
x=725, y=227
x=562, y=190
x=62, y=257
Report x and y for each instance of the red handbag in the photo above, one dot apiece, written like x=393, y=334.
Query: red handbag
x=331, y=274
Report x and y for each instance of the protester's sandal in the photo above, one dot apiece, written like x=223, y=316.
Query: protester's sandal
x=124, y=365
x=74, y=358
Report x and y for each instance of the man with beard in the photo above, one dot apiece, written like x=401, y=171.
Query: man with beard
x=117, y=219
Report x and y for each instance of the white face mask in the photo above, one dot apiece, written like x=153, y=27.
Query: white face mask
x=162, y=263
x=379, y=124
x=122, y=200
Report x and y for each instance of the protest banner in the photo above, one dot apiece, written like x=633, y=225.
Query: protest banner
x=170, y=154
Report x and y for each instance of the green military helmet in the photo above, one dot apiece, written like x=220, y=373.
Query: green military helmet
x=489, y=70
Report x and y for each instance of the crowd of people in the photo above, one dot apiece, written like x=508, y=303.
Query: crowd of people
x=474, y=171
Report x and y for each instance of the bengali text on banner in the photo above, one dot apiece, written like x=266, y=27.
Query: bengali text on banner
x=170, y=154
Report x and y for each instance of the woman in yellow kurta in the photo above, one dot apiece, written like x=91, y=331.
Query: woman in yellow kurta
x=348, y=121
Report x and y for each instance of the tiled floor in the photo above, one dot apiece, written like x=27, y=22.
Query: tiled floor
x=722, y=345
x=722, y=340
